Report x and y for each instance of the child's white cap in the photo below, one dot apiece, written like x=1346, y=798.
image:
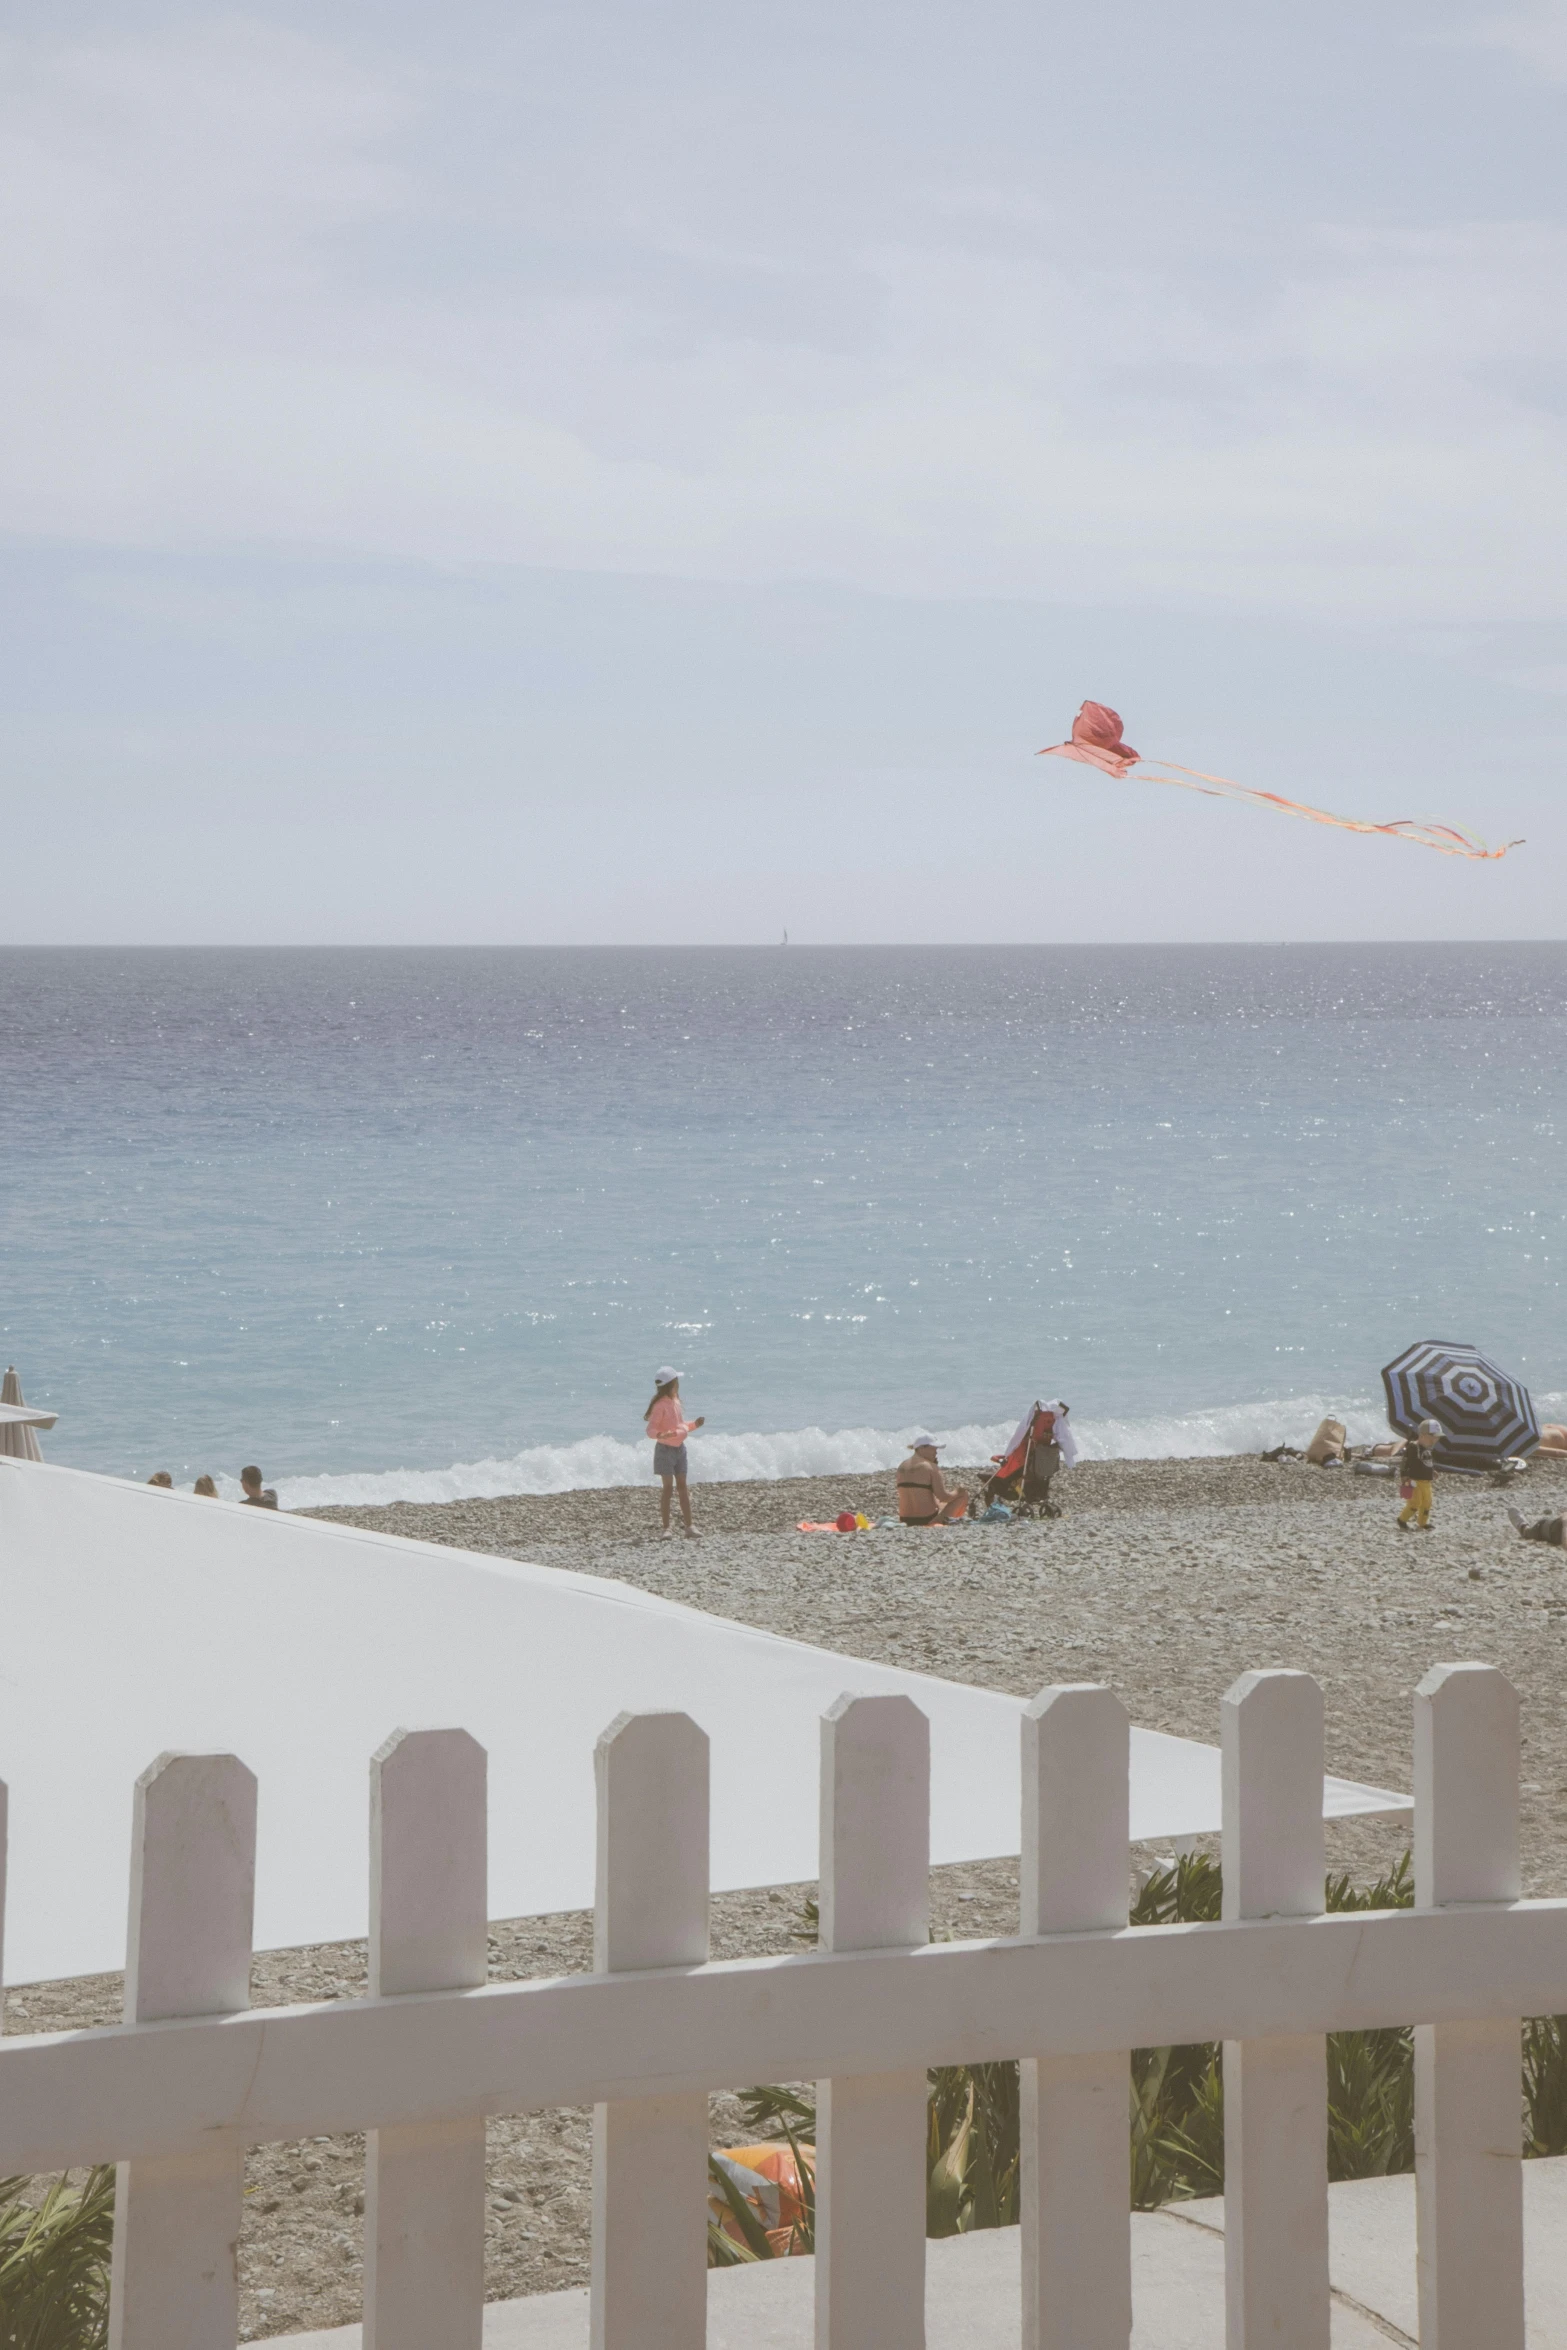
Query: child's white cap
x=1429, y=1431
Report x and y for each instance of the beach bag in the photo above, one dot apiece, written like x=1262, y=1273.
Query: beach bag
x=1406, y=1491
x=1327, y=1444
x=778, y=2182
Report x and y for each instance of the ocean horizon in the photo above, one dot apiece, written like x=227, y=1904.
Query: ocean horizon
x=421, y=1222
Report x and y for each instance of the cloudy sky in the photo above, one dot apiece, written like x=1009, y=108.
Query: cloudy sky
x=658, y=471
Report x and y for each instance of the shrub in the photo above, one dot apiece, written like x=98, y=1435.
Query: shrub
x=54, y=2264
x=1545, y=2084
x=1177, y=2093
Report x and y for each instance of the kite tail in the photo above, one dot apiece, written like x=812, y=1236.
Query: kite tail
x=1449, y=840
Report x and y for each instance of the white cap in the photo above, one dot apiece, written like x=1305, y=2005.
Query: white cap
x=924, y=1443
x=1431, y=1430
x=662, y=1377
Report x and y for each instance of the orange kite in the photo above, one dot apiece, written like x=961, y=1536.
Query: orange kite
x=1098, y=740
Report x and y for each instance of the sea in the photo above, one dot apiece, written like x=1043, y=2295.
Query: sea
x=422, y=1223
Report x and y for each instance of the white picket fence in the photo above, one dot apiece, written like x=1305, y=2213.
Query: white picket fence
x=194, y=2076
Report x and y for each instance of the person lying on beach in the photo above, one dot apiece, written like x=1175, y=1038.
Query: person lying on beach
x=1417, y=1467
x=924, y=1497
x=259, y=1496
x=669, y=1428
x=1543, y=1529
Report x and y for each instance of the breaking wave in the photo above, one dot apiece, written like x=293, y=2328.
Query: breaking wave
x=821, y=1452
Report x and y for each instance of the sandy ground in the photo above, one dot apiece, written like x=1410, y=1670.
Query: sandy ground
x=1164, y=1578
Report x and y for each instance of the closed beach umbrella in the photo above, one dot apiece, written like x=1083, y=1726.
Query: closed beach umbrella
x=1484, y=1415
x=17, y=1423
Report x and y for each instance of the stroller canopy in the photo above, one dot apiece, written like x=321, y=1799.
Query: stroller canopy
x=1042, y=1423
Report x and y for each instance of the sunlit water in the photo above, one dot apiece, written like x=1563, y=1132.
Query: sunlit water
x=424, y=1222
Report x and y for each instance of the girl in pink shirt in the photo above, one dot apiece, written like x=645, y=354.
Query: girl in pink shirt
x=669, y=1429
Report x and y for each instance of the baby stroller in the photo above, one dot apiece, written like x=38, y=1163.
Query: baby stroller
x=1021, y=1476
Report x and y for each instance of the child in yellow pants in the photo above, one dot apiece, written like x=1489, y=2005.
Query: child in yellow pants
x=1417, y=1509
x=1417, y=1468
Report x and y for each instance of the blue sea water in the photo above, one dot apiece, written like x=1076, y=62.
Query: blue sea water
x=424, y=1222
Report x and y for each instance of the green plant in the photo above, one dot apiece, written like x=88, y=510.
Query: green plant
x=1371, y=2103
x=54, y=2264
x=775, y=2112
x=1190, y=1892
x=972, y=2150
x=1177, y=2093
x=1177, y=2100
x=1545, y=2084
x=1394, y=1889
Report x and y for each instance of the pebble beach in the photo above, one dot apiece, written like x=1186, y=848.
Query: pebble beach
x=1164, y=1578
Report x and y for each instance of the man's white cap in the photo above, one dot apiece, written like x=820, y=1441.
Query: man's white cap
x=664, y=1374
x=921, y=1442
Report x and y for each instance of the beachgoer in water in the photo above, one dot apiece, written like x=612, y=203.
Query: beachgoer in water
x=206, y=1488
x=1417, y=1467
x=259, y=1496
x=669, y=1429
x=924, y=1497
x=162, y=1479
x=1543, y=1530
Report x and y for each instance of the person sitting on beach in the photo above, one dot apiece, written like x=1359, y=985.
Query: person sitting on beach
x=206, y=1488
x=1417, y=1467
x=162, y=1479
x=669, y=1428
x=1543, y=1530
x=259, y=1496
x=924, y=1497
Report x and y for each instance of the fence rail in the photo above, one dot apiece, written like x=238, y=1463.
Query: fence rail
x=193, y=2077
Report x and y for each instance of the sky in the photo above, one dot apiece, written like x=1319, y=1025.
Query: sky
x=658, y=472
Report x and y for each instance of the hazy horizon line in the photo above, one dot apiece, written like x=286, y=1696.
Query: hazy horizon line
x=714, y=946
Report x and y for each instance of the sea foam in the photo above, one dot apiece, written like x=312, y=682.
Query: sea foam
x=845, y=1452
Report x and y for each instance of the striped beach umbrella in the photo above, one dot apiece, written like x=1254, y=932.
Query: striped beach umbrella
x=1484, y=1415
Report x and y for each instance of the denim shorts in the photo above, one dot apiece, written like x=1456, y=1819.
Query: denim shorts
x=669, y=1460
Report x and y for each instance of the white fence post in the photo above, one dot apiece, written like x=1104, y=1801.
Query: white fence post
x=174, y=2278
x=871, y=2128
x=1468, y=2123
x=1077, y=2278
x=649, y=2277
x=1275, y=2090
x=429, y=1931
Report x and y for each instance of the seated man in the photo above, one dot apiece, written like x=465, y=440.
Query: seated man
x=923, y=1495
x=1543, y=1529
x=259, y=1496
